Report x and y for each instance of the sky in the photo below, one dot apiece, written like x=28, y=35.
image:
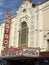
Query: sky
x=11, y=6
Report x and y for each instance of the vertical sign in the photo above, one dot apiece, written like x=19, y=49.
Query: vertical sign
x=7, y=30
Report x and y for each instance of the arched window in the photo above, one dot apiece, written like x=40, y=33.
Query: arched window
x=23, y=35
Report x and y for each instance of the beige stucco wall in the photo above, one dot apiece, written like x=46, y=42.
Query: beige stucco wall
x=46, y=19
x=43, y=25
x=46, y=24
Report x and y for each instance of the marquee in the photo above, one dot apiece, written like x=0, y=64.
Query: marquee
x=25, y=51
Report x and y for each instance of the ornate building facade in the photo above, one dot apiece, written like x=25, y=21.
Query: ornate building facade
x=29, y=27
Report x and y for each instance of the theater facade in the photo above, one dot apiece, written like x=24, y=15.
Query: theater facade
x=26, y=34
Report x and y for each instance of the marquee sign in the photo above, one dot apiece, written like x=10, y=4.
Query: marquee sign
x=7, y=30
x=27, y=52
x=31, y=52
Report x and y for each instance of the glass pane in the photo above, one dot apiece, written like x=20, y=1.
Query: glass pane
x=48, y=43
x=23, y=36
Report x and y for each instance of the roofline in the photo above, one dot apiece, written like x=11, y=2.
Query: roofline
x=4, y=19
x=14, y=15
x=42, y=2
x=21, y=4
